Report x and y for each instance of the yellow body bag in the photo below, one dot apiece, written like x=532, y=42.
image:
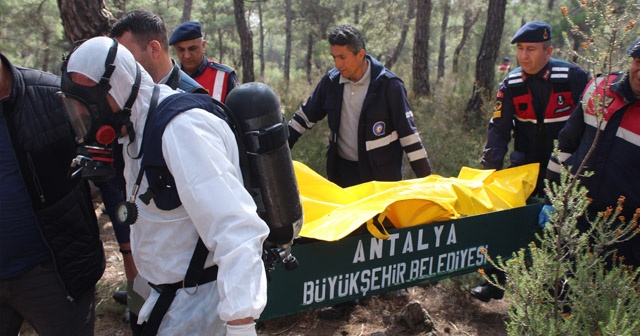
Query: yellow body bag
x=332, y=212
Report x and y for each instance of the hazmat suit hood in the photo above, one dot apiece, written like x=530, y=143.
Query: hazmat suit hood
x=89, y=60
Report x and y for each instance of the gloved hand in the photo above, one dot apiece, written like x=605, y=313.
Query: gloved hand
x=543, y=217
x=248, y=329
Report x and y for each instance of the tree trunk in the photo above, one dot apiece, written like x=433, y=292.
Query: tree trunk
x=470, y=18
x=411, y=13
x=261, y=48
x=46, y=37
x=85, y=19
x=356, y=14
x=443, y=38
x=486, y=60
x=287, y=48
x=220, y=41
x=246, y=42
x=421, y=49
x=309, y=56
x=359, y=11
x=186, y=10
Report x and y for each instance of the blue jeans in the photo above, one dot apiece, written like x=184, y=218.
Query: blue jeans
x=37, y=296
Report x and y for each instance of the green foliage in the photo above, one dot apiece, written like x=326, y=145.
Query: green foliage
x=570, y=282
x=605, y=34
x=31, y=34
x=449, y=145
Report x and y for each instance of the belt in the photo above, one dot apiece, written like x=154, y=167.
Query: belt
x=209, y=274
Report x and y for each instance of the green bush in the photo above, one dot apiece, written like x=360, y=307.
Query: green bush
x=570, y=282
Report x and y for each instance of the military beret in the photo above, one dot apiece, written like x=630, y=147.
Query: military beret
x=634, y=49
x=536, y=31
x=186, y=31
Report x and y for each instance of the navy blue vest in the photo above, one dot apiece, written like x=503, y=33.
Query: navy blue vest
x=162, y=187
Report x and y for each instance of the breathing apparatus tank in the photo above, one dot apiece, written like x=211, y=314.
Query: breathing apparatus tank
x=263, y=133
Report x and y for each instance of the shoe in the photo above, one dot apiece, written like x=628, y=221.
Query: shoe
x=486, y=292
x=120, y=297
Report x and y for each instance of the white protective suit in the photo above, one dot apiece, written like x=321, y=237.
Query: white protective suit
x=202, y=155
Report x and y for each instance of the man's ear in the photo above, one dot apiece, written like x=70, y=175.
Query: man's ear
x=154, y=48
x=362, y=53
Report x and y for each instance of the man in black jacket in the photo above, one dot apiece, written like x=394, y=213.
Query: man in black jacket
x=368, y=113
x=533, y=103
x=51, y=255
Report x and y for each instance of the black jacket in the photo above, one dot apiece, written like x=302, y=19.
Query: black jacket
x=44, y=145
x=532, y=109
x=386, y=125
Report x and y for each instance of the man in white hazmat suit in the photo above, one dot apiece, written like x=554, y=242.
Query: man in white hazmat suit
x=201, y=154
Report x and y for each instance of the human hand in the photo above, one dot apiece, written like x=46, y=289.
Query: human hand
x=248, y=329
x=543, y=217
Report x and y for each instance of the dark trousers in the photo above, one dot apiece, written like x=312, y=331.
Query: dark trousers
x=38, y=297
x=136, y=329
x=346, y=173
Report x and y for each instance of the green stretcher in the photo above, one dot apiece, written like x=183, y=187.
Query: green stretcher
x=361, y=265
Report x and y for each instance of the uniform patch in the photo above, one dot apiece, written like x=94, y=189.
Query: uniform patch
x=378, y=128
x=608, y=100
x=497, y=111
x=560, y=100
x=562, y=109
x=500, y=94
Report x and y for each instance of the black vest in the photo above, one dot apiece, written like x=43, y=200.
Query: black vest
x=162, y=187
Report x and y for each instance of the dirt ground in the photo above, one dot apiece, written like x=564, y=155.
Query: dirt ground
x=451, y=309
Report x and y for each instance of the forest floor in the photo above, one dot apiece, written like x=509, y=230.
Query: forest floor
x=446, y=303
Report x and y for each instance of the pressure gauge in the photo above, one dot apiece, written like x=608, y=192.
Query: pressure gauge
x=126, y=213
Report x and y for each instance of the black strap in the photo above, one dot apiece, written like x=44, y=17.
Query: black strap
x=152, y=107
x=196, y=275
x=159, y=310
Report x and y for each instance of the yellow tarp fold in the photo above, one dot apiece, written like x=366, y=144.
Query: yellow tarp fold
x=332, y=212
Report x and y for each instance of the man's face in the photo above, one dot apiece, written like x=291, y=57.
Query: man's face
x=533, y=56
x=349, y=64
x=634, y=76
x=83, y=80
x=190, y=53
x=141, y=55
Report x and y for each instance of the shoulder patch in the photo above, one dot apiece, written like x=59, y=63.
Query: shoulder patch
x=497, y=110
x=515, y=78
x=218, y=66
x=379, y=128
x=559, y=74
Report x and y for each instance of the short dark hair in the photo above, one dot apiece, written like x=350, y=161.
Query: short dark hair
x=347, y=35
x=144, y=26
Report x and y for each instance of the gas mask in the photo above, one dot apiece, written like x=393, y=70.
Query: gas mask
x=95, y=123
